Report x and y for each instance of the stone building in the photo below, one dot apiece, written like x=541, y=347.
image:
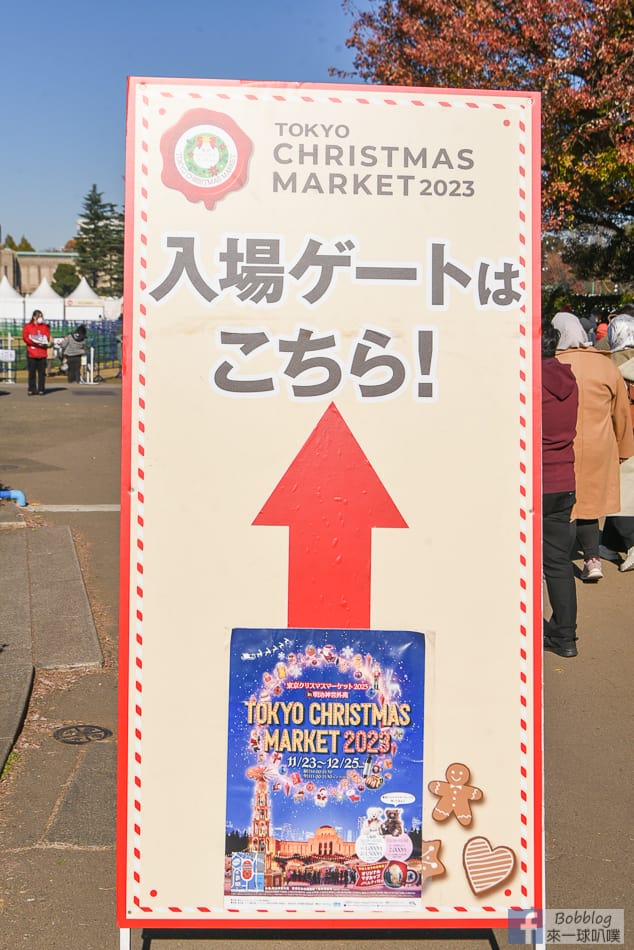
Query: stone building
x=25, y=270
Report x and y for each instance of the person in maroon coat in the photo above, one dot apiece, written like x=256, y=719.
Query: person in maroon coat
x=560, y=400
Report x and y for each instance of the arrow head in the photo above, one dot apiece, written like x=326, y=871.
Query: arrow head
x=331, y=478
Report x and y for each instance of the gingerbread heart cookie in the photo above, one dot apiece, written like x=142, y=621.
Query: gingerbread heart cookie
x=486, y=867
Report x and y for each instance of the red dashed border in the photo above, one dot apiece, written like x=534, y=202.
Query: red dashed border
x=524, y=513
x=139, y=443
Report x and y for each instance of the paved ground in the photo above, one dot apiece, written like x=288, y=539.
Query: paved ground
x=59, y=583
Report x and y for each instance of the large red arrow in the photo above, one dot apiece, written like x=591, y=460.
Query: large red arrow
x=331, y=498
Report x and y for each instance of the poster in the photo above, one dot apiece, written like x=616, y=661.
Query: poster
x=324, y=779
x=331, y=443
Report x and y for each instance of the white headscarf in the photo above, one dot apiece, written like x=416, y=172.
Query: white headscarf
x=621, y=332
x=572, y=333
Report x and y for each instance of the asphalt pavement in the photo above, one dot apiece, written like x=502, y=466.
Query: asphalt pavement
x=59, y=577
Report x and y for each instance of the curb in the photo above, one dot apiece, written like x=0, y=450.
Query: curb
x=16, y=659
x=45, y=617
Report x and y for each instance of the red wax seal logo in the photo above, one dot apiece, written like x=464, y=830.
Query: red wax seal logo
x=205, y=156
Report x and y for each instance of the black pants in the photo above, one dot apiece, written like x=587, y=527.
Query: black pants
x=618, y=532
x=37, y=373
x=558, y=541
x=74, y=368
x=588, y=536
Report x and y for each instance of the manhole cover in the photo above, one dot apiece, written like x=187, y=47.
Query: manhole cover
x=80, y=735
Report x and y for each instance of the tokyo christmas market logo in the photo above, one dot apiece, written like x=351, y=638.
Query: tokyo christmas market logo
x=205, y=156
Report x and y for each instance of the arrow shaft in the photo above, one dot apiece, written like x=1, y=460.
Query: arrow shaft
x=331, y=498
x=329, y=577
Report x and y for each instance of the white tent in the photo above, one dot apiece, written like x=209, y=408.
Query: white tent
x=83, y=293
x=83, y=303
x=113, y=307
x=46, y=300
x=11, y=302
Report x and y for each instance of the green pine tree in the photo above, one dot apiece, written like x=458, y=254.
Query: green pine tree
x=65, y=279
x=99, y=244
x=24, y=245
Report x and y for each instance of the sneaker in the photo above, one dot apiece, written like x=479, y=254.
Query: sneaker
x=609, y=555
x=592, y=569
x=628, y=563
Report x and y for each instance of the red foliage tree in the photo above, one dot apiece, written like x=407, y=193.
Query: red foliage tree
x=578, y=54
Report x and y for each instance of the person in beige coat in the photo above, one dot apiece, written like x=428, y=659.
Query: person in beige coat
x=604, y=436
x=618, y=529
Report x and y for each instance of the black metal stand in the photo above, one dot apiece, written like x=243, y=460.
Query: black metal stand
x=386, y=935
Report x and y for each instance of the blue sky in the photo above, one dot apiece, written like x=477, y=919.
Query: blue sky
x=64, y=69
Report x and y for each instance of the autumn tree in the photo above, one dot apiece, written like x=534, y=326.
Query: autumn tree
x=604, y=254
x=99, y=244
x=579, y=54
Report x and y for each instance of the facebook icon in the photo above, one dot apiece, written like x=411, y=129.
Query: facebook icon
x=526, y=926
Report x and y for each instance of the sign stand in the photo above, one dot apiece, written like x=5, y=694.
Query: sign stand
x=150, y=934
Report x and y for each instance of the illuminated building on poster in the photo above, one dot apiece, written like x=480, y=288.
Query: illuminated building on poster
x=326, y=843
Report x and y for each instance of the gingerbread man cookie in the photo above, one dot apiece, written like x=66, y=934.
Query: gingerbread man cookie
x=455, y=795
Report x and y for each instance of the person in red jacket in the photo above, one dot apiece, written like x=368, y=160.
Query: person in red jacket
x=37, y=336
x=560, y=399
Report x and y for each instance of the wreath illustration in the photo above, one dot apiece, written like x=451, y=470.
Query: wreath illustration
x=369, y=752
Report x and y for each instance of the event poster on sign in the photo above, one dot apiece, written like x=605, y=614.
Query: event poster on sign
x=326, y=744
x=331, y=581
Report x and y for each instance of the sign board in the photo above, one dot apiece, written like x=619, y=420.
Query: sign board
x=7, y=356
x=331, y=583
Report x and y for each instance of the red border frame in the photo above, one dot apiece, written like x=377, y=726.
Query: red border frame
x=124, y=538
x=296, y=922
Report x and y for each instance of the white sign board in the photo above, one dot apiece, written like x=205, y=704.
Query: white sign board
x=331, y=633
